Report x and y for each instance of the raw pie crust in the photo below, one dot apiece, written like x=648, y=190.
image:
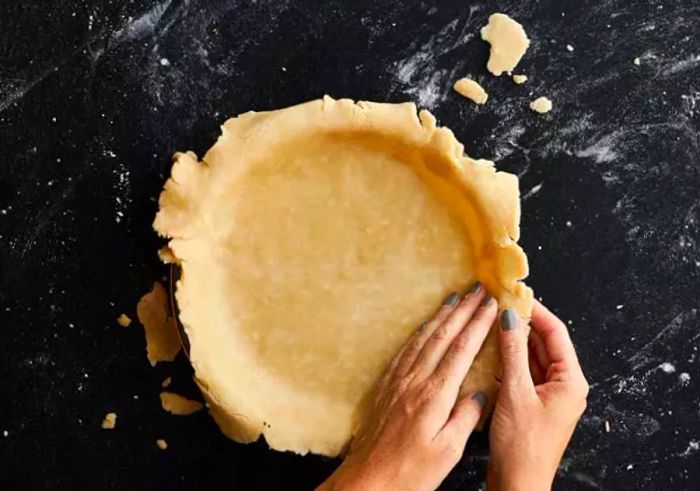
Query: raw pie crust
x=313, y=240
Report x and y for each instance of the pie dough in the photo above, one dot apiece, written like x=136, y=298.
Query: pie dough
x=178, y=405
x=508, y=43
x=541, y=105
x=313, y=240
x=153, y=311
x=110, y=421
x=471, y=90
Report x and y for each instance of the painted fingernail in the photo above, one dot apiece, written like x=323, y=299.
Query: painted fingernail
x=475, y=287
x=487, y=301
x=452, y=299
x=508, y=320
x=480, y=397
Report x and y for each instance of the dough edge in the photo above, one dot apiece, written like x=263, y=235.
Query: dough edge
x=495, y=195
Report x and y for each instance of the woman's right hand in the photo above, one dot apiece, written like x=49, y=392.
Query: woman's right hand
x=539, y=403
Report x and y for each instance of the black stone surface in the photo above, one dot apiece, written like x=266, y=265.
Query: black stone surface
x=96, y=96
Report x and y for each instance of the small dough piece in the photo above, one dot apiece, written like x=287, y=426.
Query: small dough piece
x=166, y=255
x=471, y=90
x=162, y=444
x=637, y=61
x=519, y=79
x=541, y=105
x=178, y=405
x=124, y=320
x=109, y=421
x=508, y=42
x=166, y=382
x=153, y=311
x=308, y=261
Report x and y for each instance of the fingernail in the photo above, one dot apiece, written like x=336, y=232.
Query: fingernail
x=487, y=301
x=480, y=397
x=475, y=287
x=452, y=299
x=508, y=320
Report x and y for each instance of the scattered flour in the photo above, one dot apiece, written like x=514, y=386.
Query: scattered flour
x=693, y=446
x=667, y=367
x=418, y=73
x=144, y=24
x=600, y=151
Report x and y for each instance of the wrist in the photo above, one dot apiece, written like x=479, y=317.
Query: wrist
x=514, y=479
x=349, y=477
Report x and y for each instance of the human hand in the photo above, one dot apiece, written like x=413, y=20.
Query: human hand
x=538, y=406
x=421, y=423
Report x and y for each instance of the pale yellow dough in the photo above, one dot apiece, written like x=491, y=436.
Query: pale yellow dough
x=178, y=405
x=313, y=240
x=471, y=90
x=541, y=105
x=153, y=311
x=110, y=421
x=508, y=43
x=519, y=79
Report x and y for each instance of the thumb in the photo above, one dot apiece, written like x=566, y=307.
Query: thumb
x=514, y=353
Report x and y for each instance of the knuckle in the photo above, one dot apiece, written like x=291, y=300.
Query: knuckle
x=402, y=385
x=512, y=349
x=440, y=333
x=462, y=342
x=430, y=390
x=454, y=449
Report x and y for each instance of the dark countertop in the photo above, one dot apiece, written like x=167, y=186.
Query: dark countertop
x=96, y=96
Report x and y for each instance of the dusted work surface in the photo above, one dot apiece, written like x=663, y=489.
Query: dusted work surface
x=95, y=97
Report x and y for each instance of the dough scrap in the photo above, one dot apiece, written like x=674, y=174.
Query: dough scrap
x=161, y=444
x=313, y=240
x=109, y=421
x=178, y=405
x=471, y=90
x=166, y=382
x=166, y=255
x=519, y=79
x=541, y=105
x=124, y=320
x=153, y=311
x=508, y=42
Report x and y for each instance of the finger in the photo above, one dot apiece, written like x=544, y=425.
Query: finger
x=555, y=336
x=415, y=345
x=535, y=369
x=464, y=417
x=390, y=372
x=436, y=346
x=514, y=352
x=538, y=349
x=461, y=353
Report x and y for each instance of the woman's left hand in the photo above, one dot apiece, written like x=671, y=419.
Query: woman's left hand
x=421, y=424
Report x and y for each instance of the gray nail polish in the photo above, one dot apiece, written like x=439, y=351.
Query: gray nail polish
x=475, y=287
x=509, y=321
x=487, y=301
x=480, y=397
x=452, y=299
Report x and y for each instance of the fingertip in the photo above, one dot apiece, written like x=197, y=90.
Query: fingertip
x=451, y=299
x=481, y=399
x=509, y=320
x=488, y=301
